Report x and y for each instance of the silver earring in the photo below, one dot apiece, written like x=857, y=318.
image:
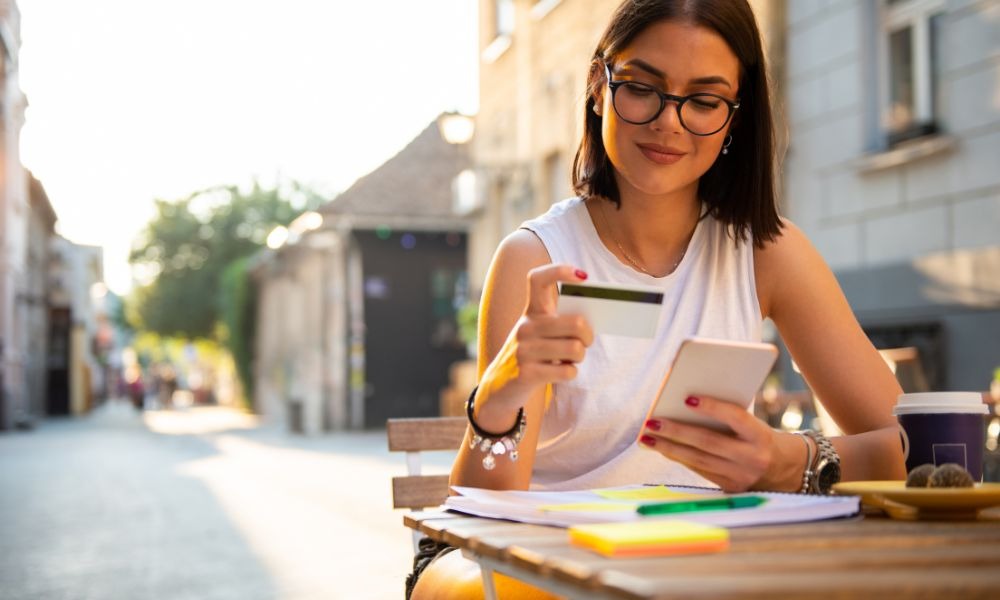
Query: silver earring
x=725, y=144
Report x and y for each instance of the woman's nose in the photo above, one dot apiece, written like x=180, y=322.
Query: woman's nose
x=669, y=118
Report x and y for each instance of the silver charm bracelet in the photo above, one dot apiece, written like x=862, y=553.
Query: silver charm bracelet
x=495, y=444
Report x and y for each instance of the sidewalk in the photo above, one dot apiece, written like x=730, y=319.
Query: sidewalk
x=204, y=503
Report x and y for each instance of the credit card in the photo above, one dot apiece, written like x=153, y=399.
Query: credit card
x=612, y=309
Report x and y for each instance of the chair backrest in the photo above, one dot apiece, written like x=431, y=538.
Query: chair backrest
x=413, y=436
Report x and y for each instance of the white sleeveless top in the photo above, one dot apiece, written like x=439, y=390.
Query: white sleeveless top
x=590, y=427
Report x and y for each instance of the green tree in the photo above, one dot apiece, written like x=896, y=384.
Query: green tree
x=238, y=329
x=189, y=243
x=196, y=252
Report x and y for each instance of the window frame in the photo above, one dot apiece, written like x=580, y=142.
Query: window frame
x=917, y=15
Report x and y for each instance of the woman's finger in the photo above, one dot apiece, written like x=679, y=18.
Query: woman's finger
x=711, y=467
x=542, y=282
x=744, y=424
x=548, y=372
x=558, y=326
x=720, y=444
x=551, y=350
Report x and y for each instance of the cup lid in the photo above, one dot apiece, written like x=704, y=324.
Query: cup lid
x=940, y=402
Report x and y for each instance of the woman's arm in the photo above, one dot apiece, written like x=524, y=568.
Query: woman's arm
x=523, y=346
x=797, y=290
x=799, y=293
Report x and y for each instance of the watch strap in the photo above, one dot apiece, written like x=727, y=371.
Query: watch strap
x=825, y=454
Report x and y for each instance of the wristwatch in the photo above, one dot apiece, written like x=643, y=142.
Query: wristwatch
x=826, y=472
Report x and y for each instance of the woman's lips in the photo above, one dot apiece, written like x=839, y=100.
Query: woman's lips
x=661, y=155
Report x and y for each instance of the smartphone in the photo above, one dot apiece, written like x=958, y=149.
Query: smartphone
x=722, y=369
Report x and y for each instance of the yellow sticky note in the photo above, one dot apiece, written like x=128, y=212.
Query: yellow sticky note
x=650, y=538
x=591, y=507
x=651, y=492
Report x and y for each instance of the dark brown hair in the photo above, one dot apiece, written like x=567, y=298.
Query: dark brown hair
x=738, y=189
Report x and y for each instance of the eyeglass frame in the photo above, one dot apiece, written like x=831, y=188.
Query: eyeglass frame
x=664, y=98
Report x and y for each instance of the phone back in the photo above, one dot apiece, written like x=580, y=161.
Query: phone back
x=731, y=371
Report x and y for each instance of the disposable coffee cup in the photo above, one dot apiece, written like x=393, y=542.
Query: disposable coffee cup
x=943, y=427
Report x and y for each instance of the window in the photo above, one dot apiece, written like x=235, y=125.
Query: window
x=504, y=15
x=503, y=28
x=540, y=8
x=909, y=39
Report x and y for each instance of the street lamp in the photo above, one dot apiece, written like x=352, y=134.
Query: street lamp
x=456, y=128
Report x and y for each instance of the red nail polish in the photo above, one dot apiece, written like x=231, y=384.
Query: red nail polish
x=654, y=425
x=691, y=401
x=580, y=274
x=648, y=440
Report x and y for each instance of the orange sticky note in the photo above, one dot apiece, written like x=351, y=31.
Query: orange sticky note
x=650, y=538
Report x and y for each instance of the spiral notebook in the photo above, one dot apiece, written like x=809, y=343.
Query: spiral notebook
x=620, y=504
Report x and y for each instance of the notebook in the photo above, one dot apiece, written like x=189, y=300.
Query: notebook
x=620, y=504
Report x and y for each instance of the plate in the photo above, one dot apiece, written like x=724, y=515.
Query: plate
x=913, y=503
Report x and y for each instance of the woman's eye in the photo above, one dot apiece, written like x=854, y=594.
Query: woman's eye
x=637, y=89
x=705, y=103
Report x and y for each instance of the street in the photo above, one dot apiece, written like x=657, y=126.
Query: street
x=199, y=504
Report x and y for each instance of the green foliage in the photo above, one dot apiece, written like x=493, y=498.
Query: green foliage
x=237, y=306
x=468, y=323
x=186, y=247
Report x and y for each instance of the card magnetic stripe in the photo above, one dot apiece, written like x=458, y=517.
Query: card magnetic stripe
x=611, y=294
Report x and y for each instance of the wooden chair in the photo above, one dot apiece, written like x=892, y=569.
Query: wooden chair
x=416, y=491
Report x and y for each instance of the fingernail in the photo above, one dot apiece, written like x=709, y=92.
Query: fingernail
x=654, y=425
x=580, y=274
x=648, y=440
x=691, y=401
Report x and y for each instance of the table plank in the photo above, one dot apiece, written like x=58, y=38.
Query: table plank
x=891, y=583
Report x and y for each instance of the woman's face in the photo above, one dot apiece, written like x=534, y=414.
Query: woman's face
x=662, y=157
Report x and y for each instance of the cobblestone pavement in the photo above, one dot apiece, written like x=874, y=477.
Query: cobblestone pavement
x=201, y=504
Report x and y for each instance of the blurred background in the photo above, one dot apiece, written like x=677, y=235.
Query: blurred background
x=237, y=236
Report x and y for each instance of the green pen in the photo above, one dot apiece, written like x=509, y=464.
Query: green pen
x=665, y=508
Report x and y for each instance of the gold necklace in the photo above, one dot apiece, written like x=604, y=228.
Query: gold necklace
x=628, y=257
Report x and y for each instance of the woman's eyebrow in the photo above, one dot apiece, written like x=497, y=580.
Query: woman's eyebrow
x=638, y=63
x=712, y=79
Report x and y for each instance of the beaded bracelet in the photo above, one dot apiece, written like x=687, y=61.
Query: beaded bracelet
x=495, y=444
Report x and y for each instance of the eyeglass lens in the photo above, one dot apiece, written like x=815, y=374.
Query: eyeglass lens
x=701, y=114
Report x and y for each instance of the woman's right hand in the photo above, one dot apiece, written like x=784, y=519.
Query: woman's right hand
x=543, y=347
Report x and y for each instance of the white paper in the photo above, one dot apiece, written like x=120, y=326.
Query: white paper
x=524, y=506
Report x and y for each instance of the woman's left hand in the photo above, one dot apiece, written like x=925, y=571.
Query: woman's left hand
x=754, y=456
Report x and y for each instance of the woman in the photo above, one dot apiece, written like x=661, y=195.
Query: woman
x=675, y=178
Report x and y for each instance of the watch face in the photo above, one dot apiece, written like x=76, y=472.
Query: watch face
x=829, y=474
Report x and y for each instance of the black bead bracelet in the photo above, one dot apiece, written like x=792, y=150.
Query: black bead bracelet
x=494, y=444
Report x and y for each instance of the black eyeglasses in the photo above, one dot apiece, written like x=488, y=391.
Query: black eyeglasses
x=639, y=103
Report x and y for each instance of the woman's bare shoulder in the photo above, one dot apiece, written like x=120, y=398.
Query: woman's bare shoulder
x=790, y=258
x=790, y=244
x=521, y=250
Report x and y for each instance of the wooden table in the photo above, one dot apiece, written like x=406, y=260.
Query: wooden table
x=864, y=557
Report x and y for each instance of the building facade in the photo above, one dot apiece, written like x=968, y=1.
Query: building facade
x=78, y=331
x=14, y=211
x=356, y=309
x=893, y=170
x=34, y=297
x=532, y=70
